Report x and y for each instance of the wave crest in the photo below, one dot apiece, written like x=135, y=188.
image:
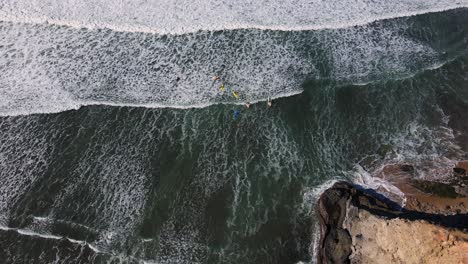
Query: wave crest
x=177, y=17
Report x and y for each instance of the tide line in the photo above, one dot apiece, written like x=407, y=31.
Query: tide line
x=76, y=105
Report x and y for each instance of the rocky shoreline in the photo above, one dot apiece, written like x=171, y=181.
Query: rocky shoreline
x=359, y=225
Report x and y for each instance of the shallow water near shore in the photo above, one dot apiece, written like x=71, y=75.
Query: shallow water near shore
x=109, y=161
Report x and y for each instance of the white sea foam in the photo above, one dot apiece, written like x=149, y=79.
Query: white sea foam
x=31, y=233
x=38, y=218
x=180, y=17
x=315, y=244
x=366, y=180
x=432, y=151
x=311, y=196
x=27, y=232
x=75, y=105
x=49, y=68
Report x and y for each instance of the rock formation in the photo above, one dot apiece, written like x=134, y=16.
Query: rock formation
x=360, y=226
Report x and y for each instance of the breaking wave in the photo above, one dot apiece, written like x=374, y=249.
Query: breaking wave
x=187, y=17
x=50, y=68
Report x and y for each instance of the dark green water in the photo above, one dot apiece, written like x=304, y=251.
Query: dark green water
x=163, y=185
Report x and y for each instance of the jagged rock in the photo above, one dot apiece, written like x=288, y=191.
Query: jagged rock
x=332, y=210
x=361, y=226
x=459, y=171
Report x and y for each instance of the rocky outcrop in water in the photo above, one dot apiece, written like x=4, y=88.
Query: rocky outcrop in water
x=361, y=226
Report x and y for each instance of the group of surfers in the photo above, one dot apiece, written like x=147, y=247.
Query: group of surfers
x=236, y=95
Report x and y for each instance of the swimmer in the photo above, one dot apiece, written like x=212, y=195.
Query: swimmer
x=247, y=105
x=216, y=78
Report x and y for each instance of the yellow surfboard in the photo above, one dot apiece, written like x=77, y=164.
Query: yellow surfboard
x=221, y=88
x=235, y=94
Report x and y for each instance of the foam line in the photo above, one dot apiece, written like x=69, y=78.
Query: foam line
x=80, y=104
x=47, y=236
x=432, y=67
x=50, y=69
x=80, y=242
x=42, y=219
x=237, y=22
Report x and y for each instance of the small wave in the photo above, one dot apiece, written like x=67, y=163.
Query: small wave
x=78, y=105
x=200, y=105
x=233, y=22
x=48, y=236
x=311, y=196
x=38, y=218
x=26, y=232
x=432, y=67
x=51, y=221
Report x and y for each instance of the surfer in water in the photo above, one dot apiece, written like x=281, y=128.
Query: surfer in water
x=247, y=104
x=216, y=78
x=235, y=115
x=269, y=103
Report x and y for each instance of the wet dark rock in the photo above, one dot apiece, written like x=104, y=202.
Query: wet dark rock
x=437, y=188
x=459, y=171
x=332, y=209
x=407, y=168
x=399, y=169
x=338, y=245
x=336, y=242
x=384, y=149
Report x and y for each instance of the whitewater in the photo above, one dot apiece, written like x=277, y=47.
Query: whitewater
x=58, y=56
x=182, y=17
x=138, y=175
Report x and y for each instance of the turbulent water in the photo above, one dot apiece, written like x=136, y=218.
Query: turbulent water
x=118, y=147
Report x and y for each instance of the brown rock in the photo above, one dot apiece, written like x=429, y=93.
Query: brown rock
x=361, y=226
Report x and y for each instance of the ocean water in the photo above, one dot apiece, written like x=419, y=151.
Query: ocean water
x=116, y=146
